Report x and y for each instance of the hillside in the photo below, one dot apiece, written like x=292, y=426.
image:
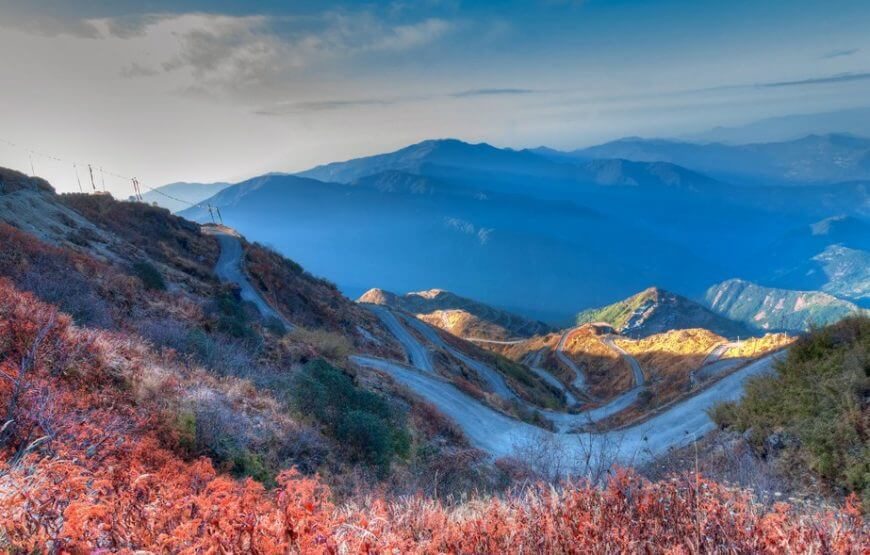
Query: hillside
x=178, y=196
x=460, y=316
x=771, y=309
x=655, y=311
x=231, y=381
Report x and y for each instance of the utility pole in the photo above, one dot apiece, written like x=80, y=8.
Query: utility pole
x=78, y=179
x=91, y=172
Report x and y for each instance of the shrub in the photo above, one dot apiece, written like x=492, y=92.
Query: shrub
x=331, y=345
x=818, y=400
x=150, y=276
x=367, y=424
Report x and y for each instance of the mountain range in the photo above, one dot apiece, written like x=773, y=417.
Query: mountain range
x=546, y=234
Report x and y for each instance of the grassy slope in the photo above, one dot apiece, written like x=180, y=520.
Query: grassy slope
x=618, y=313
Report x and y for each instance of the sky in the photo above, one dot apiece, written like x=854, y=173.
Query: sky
x=190, y=90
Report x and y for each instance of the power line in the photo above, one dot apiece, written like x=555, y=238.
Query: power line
x=137, y=185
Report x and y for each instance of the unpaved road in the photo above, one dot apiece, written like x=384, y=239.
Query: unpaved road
x=534, y=363
x=229, y=270
x=418, y=355
x=635, y=367
x=500, y=435
x=495, y=341
x=717, y=353
x=579, y=376
x=495, y=382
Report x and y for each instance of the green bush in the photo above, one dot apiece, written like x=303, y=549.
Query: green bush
x=150, y=276
x=233, y=318
x=367, y=424
x=818, y=399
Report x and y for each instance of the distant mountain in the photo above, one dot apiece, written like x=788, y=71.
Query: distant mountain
x=770, y=309
x=460, y=316
x=855, y=121
x=542, y=235
x=451, y=159
x=178, y=196
x=811, y=159
x=506, y=249
x=655, y=311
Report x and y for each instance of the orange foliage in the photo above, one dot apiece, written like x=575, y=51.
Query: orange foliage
x=81, y=470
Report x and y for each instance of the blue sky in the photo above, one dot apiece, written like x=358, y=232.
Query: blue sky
x=196, y=90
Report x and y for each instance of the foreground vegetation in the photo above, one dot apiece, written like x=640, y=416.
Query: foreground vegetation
x=88, y=462
x=813, y=414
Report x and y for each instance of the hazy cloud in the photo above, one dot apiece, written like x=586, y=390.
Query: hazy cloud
x=288, y=108
x=840, y=78
x=492, y=92
x=840, y=53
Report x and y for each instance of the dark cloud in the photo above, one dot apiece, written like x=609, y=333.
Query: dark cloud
x=840, y=53
x=840, y=78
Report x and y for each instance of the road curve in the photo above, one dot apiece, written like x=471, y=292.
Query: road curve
x=579, y=375
x=500, y=435
x=418, y=355
x=495, y=382
x=635, y=367
x=533, y=361
x=229, y=270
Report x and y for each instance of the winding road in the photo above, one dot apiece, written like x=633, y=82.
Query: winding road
x=639, y=379
x=533, y=361
x=229, y=270
x=418, y=355
x=579, y=375
x=500, y=435
x=495, y=382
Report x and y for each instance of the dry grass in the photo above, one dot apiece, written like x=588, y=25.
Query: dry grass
x=607, y=373
x=328, y=344
x=759, y=346
x=672, y=354
x=464, y=324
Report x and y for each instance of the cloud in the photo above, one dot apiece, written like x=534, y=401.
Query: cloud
x=840, y=78
x=492, y=92
x=302, y=107
x=841, y=53
x=238, y=54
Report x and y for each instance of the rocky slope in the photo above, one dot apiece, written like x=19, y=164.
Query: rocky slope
x=771, y=309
